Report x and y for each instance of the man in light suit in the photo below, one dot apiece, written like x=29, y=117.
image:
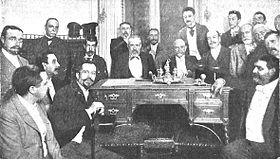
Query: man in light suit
x=25, y=130
x=194, y=34
x=260, y=117
x=11, y=39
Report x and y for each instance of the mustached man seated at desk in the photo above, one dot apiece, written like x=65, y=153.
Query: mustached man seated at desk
x=136, y=64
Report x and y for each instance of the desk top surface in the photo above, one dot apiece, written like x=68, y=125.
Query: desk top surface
x=132, y=83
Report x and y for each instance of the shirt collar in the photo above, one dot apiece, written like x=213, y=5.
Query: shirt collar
x=84, y=90
x=269, y=87
x=7, y=54
x=29, y=106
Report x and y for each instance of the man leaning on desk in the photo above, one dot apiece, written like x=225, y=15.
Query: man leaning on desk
x=137, y=64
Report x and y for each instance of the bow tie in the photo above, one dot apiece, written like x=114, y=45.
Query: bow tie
x=192, y=30
x=48, y=39
x=88, y=59
x=133, y=57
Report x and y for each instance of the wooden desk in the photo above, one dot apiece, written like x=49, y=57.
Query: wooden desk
x=126, y=94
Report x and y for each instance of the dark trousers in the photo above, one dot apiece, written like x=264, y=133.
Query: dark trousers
x=245, y=149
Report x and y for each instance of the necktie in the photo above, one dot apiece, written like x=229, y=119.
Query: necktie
x=192, y=30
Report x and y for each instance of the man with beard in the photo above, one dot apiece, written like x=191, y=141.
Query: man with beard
x=48, y=62
x=233, y=35
x=193, y=34
x=11, y=38
x=50, y=42
x=155, y=48
x=259, y=124
x=259, y=31
x=89, y=54
x=137, y=64
x=119, y=48
x=272, y=43
x=71, y=114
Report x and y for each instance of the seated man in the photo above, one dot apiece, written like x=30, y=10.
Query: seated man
x=26, y=131
x=215, y=63
x=89, y=54
x=259, y=124
x=137, y=64
x=183, y=62
x=72, y=111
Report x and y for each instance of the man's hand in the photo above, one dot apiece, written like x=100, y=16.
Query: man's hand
x=96, y=107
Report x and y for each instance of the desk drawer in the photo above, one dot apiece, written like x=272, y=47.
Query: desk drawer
x=161, y=96
x=120, y=110
x=112, y=96
x=207, y=108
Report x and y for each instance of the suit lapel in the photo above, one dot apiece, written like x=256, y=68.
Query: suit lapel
x=24, y=113
x=79, y=92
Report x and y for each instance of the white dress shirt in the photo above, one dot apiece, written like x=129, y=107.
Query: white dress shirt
x=153, y=50
x=257, y=111
x=34, y=113
x=51, y=89
x=192, y=44
x=181, y=65
x=12, y=58
x=135, y=66
x=215, y=52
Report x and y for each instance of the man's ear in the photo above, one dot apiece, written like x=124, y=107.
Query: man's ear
x=2, y=39
x=77, y=75
x=44, y=65
x=272, y=71
x=32, y=89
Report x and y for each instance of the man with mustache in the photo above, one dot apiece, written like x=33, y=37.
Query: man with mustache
x=217, y=59
x=193, y=34
x=89, y=54
x=137, y=64
x=119, y=48
x=259, y=31
x=49, y=63
x=272, y=43
x=73, y=108
x=259, y=137
x=233, y=35
x=50, y=42
x=11, y=38
x=155, y=48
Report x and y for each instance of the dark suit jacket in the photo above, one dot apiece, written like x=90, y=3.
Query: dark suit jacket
x=201, y=39
x=227, y=40
x=60, y=48
x=6, y=71
x=270, y=123
x=118, y=50
x=122, y=66
x=101, y=67
x=209, y=62
x=19, y=135
x=160, y=56
x=68, y=114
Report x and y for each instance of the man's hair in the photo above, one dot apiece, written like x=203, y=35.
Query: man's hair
x=259, y=12
x=271, y=62
x=155, y=29
x=189, y=9
x=49, y=20
x=126, y=23
x=42, y=58
x=7, y=27
x=24, y=77
x=91, y=39
x=237, y=13
x=270, y=33
x=135, y=37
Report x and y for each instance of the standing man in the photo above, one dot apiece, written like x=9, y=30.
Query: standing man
x=259, y=18
x=277, y=23
x=11, y=38
x=259, y=31
x=48, y=62
x=50, y=42
x=155, y=48
x=259, y=124
x=25, y=130
x=194, y=34
x=137, y=64
x=89, y=54
x=272, y=43
x=233, y=35
x=119, y=48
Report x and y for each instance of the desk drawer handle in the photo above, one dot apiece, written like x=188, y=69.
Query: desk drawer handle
x=113, y=111
x=111, y=96
x=208, y=111
x=160, y=95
